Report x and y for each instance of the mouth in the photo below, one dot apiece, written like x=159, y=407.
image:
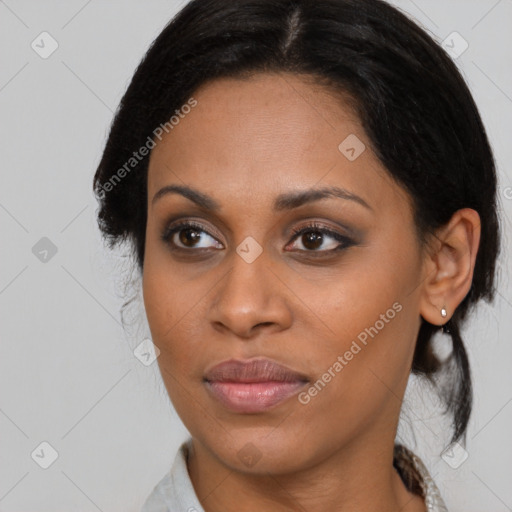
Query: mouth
x=252, y=386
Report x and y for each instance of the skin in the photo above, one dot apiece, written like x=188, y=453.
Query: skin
x=245, y=143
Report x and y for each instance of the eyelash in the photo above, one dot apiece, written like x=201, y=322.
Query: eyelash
x=345, y=242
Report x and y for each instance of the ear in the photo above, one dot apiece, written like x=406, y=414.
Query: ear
x=449, y=266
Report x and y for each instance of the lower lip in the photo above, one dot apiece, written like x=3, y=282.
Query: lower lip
x=253, y=397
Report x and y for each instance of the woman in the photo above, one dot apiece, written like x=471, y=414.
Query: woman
x=309, y=193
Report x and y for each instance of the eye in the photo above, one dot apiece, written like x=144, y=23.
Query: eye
x=189, y=235
x=315, y=236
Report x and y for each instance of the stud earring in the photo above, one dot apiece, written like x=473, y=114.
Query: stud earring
x=443, y=312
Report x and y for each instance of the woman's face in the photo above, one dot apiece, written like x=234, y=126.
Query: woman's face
x=338, y=304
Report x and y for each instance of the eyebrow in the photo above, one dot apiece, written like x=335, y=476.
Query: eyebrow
x=286, y=201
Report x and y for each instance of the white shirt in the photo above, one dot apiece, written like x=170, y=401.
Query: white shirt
x=175, y=492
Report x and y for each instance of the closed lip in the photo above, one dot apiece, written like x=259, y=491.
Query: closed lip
x=251, y=371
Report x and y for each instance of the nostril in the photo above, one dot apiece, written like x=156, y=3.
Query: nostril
x=263, y=323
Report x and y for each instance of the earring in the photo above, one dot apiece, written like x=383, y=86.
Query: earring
x=444, y=314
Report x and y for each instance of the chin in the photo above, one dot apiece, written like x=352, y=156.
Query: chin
x=259, y=451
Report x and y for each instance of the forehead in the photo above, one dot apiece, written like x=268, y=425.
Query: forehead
x=271, y=133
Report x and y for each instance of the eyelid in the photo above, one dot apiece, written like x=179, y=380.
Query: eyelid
x=316, y=226
x=205, y=218
x=185, y=221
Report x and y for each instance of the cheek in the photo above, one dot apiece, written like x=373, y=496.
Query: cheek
x=362, y=375
x=173, y=309
x=157, y=301
x=163, y=308
x=371, y=317
x=164, y=296
x=353, y=297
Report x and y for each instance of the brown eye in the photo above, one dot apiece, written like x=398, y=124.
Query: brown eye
x=312, y=240
x=316, y=238
x=188, y=235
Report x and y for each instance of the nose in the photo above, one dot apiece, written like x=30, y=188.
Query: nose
x=250, y=298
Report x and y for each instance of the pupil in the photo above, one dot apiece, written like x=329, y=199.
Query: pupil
x=312, y=240
x=189, y=239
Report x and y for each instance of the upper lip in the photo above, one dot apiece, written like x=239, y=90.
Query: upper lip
x=254, y=370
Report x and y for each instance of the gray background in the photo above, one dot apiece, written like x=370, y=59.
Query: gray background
x=68, y=375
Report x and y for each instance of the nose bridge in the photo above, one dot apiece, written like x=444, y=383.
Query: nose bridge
x=245, y=286
x=248, y=295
